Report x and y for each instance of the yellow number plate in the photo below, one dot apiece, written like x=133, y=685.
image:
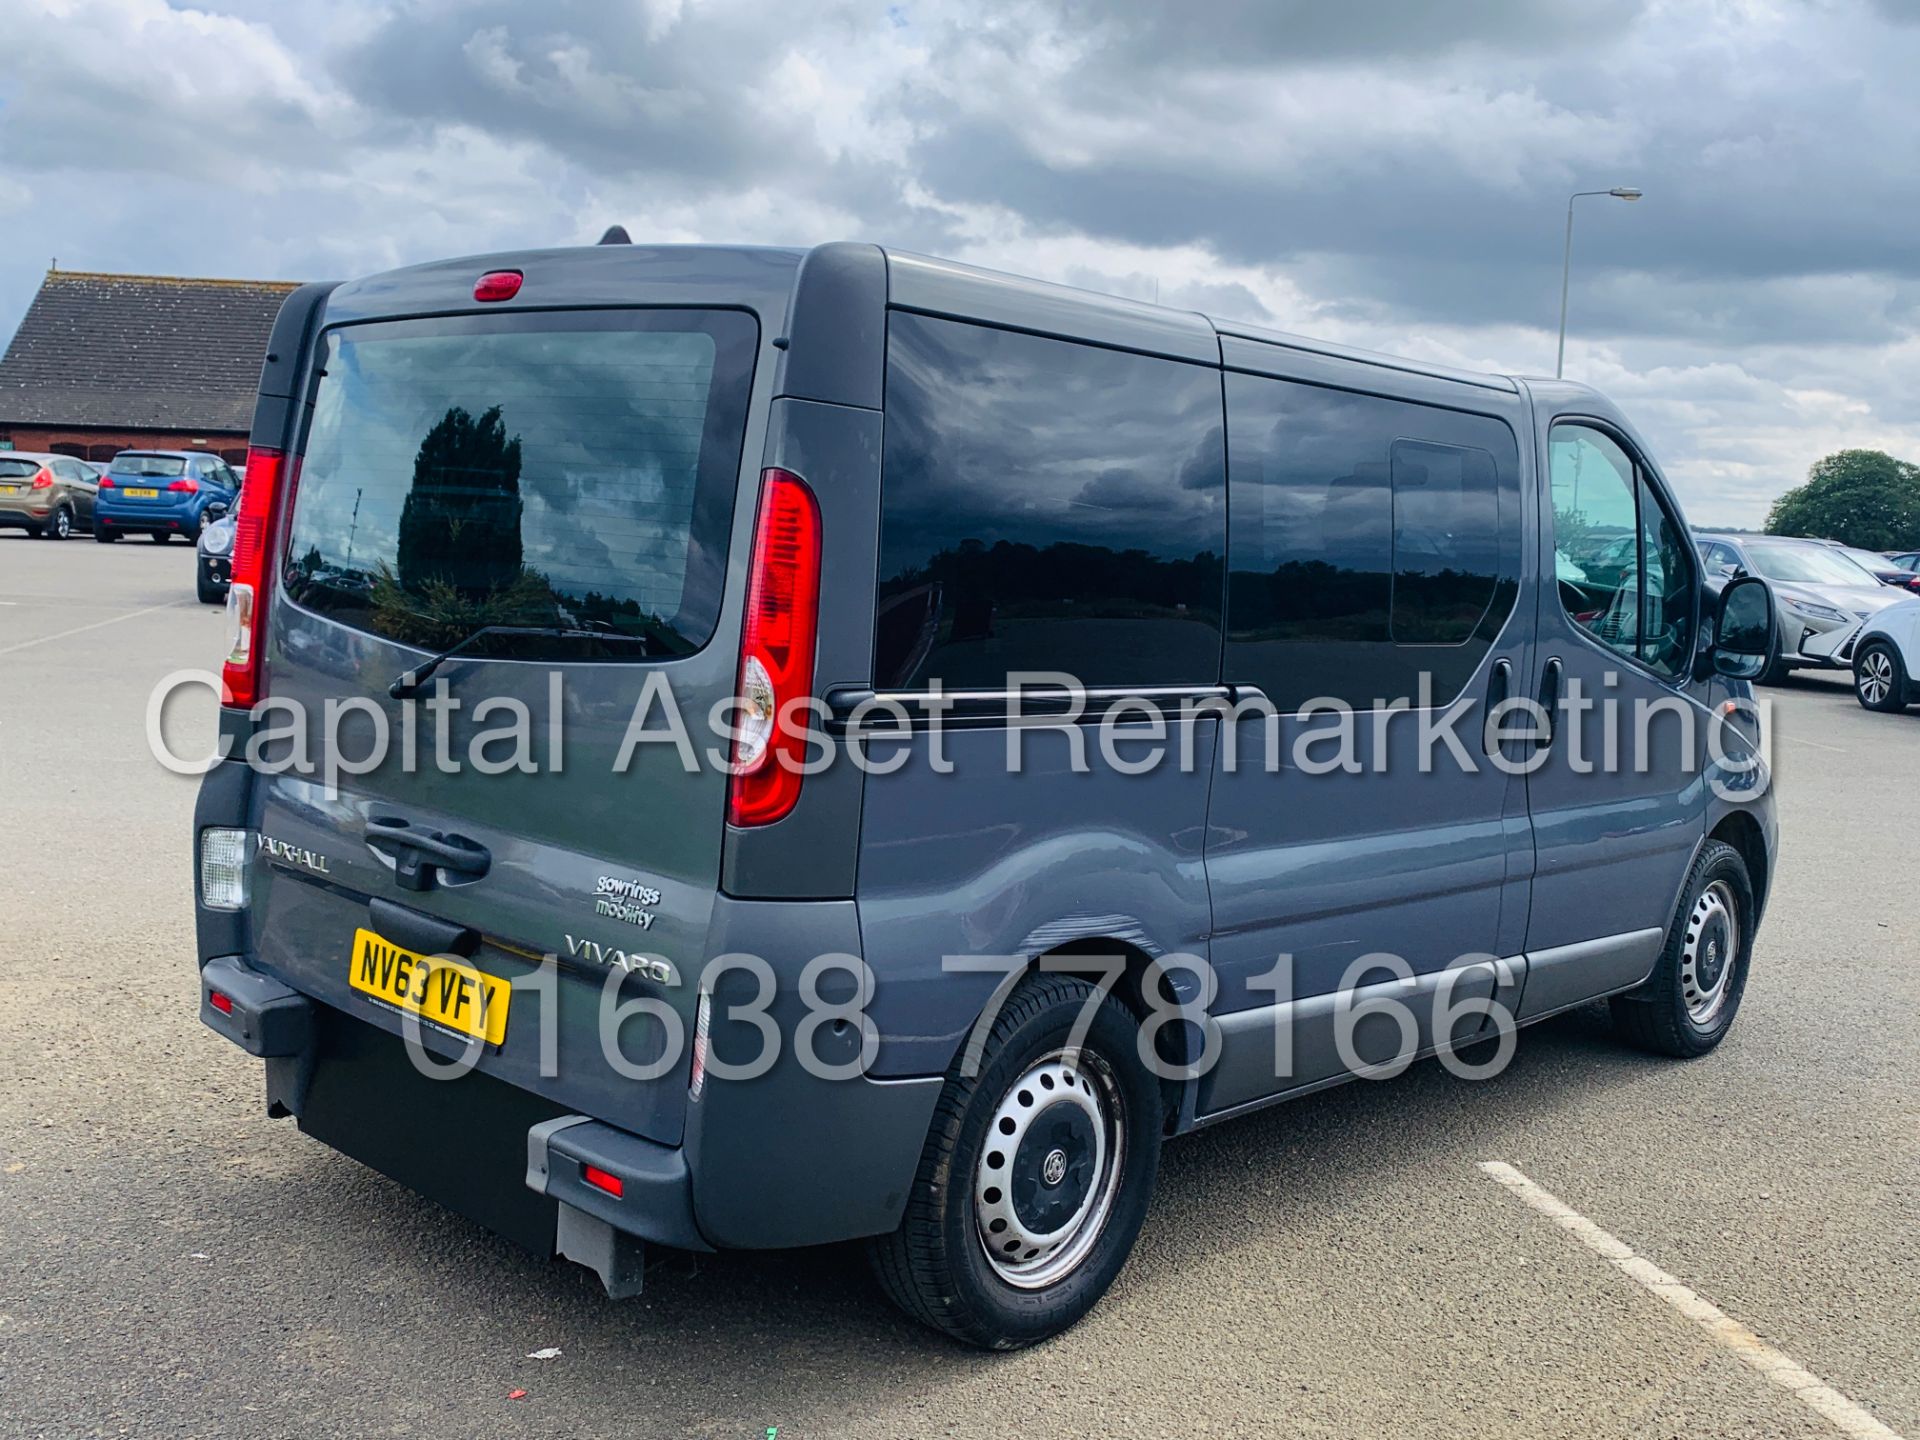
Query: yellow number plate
x=9, y=489
x=138, y=492
x=445, y=991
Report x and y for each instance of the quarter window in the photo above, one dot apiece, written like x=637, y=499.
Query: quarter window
x=1046, y=505
x=1625, y=569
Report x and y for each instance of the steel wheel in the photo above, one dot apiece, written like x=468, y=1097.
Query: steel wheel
x=1049, y=1169
x=1875, y=677
x=1708, y=953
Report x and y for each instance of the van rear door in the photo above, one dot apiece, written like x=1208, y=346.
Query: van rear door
x=546, y=499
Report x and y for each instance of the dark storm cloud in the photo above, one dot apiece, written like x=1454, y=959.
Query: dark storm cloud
x=1261, y=33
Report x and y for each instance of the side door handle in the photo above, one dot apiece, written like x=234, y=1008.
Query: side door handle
x=1549, y=699
x=1499, y=691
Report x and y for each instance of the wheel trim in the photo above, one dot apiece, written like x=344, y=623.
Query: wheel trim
x=1018, y=1255
x=1710, y=954
x=1876, y=676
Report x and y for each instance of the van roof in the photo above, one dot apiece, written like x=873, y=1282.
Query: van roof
x=914, y=282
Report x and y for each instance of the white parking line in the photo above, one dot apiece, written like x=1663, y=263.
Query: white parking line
x=1807, y=1388
x=1802, y=740
x=82, y=629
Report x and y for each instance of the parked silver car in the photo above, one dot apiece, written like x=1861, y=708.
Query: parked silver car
x=1820, y=595
x=213, y=563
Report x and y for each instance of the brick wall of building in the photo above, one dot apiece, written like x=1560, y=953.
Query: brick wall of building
x=103, y=445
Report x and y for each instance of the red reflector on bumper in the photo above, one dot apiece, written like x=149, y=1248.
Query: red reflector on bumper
x=222, y=1003
x=601, y=1180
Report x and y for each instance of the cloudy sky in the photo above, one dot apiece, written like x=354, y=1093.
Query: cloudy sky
x=1389, y=173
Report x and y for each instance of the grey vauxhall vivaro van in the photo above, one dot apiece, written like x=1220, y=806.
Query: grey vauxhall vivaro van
x=747, y=748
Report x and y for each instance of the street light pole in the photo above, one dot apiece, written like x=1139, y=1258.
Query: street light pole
x=1618, y=192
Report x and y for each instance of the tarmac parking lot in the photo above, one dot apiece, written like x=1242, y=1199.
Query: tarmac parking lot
x=174, y=1263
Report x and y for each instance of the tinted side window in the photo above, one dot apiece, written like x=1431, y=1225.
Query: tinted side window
x=1373, y=540
x=1630, y=583
x=1046, y=506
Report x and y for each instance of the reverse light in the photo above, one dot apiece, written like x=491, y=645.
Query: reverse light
x=224, y=871
x=255, y=531
x=776, y=651
x=702, y=1042
x=601, y=1180
x=497, y=285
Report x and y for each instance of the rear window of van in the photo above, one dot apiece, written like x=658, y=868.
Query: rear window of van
x=556, y=471
x=149, y=465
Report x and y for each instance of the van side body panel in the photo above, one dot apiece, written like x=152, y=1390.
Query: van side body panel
x=1312, y=874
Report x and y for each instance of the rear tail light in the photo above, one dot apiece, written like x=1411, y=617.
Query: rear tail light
x=601, y=1180
x=44, y=480
x=185, y=487
x=223, y=868
x=776, y=651
x=255, y=532
x=106, y=482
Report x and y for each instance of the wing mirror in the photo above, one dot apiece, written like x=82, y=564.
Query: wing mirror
x=1743, y=634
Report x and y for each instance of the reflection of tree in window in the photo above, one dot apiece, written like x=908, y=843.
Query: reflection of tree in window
x=458, y=562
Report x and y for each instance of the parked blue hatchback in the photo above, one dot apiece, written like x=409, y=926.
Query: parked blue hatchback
x=162, y=493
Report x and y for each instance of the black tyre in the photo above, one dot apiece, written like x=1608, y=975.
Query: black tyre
x=59, y=525
x=102, y=534
x=1879, y=678
x=1688, y=1003
x=1035, y=1177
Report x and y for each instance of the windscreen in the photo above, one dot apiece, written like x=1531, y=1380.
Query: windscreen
x=534, y=472
x=1807, y=564
x=149, y=465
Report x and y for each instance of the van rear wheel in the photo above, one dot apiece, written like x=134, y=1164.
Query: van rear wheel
x=1687, y=1005
x=1035, y=1177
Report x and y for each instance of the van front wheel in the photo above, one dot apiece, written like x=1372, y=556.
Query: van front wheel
x=1035, y=1177
x=1688, y=1003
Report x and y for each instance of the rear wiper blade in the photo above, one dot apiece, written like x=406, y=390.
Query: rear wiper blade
x=410, y=683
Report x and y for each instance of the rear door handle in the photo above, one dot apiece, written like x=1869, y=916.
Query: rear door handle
x=416, y=854
x=1549, y=700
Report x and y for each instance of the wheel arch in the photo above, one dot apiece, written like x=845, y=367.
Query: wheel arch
x=1740, y=830
x=1145, y=974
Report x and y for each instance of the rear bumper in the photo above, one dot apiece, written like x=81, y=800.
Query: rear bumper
x=778, y=1162
x=23, y=517
x=146, y=517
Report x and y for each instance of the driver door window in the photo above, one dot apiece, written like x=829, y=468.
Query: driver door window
x=1624, y=567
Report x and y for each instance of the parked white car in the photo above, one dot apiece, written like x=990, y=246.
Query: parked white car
x=1886, y=658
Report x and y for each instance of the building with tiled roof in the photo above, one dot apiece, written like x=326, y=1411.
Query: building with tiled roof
x=104, y=363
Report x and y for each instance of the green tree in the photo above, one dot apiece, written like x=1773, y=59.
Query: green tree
x=1862, y=497
x=460, y=525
